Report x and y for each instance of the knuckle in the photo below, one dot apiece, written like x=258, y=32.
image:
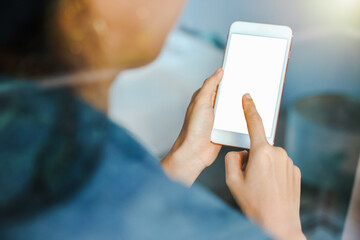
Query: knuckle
x=190, y=108
x=197, y=101
x=254, y=116
x=251, y=112
x=281, y=152
x=207, y=81
x=297, y=171
x=264, y=149
x=230, y=155
x=231, y=180
x=195, y=93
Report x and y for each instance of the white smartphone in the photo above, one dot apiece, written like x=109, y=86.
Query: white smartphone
x=255, y=62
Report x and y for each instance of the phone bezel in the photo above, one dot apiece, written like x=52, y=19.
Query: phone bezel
x=262, y=30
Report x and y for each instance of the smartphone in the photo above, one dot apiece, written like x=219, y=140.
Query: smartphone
x=255, y=62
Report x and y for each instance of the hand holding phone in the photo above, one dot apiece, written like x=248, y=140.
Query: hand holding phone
x=255, y=62
x=193, y=151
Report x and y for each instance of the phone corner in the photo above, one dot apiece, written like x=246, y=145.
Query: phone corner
x=213, y=138
x=233, y=24
x=271, y=142
x=290, y=31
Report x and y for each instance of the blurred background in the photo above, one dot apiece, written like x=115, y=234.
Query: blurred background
x=319, y=123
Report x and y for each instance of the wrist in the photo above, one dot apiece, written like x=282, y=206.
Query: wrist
x=182, y=166
x=286, y=231
x=293, y=235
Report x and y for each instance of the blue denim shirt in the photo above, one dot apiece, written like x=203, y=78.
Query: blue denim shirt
x=68, y=172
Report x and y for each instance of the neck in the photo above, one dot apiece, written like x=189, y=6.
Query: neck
x=96, y=91
x=92, y=86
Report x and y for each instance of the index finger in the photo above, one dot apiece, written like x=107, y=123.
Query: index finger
x=254, y=122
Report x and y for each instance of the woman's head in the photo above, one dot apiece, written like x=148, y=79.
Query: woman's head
x=73, y=34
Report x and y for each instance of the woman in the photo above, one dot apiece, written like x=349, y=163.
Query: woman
x=69, y=173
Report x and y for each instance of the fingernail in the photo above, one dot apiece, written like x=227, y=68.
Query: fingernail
x=247, y=96
x=218, y=71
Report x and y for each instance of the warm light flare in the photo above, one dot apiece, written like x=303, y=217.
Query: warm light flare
x=347, y=4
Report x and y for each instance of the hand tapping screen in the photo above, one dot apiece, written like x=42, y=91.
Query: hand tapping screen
x=254, y=65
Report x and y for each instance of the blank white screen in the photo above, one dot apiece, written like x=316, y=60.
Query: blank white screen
x=254, y=65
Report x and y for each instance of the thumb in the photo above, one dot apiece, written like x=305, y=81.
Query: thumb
x=210, y=85
x=234, y=167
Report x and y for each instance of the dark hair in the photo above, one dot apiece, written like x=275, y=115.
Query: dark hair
x=21, y=23
x=22, y=31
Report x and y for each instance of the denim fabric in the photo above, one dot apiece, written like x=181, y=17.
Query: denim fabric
x=67, y=172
